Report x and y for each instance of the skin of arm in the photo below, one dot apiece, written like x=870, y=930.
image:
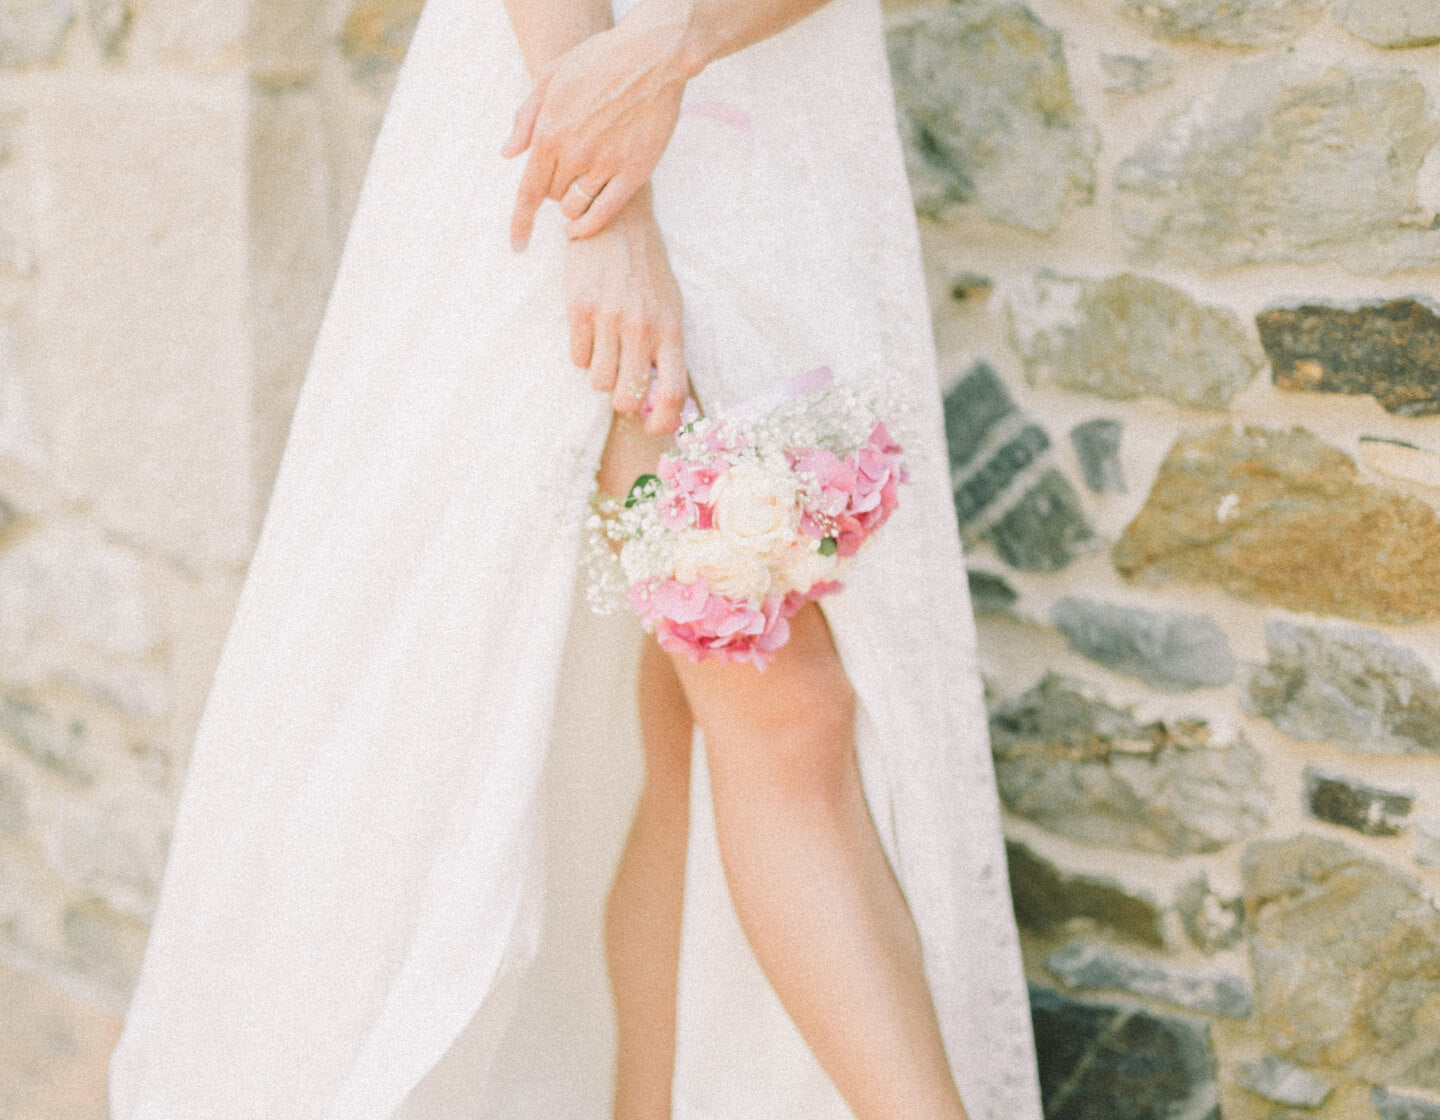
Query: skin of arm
x=601, y=113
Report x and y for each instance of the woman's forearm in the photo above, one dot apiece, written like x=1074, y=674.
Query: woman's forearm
x=546, y=29
x=709, y=29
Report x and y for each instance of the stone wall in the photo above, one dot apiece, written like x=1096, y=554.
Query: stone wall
x=1185, y=260
x=1183, y=255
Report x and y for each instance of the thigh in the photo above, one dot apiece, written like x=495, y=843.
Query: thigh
x=629, y=452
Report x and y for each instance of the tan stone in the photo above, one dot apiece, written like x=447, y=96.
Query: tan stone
x=139, y=346
x=375, y=37
x=1283, y=518
x=53, y=1051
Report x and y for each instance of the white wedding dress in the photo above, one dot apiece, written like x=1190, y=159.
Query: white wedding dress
x=418, y=759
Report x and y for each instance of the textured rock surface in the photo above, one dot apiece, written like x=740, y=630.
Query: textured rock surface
x=988, y=115
x=1103, y=1062
x=1212, y=922
x=1128, y=336
x=1346, y=956
x=1393, y=1106
x=1343, y=685
x=1281, y=517
x=1287, y=162
x=1390, y=23
x=375, y=37
x=1086, y=770
x=1097, y=447
x=48, y=739
x=1046, y=898
x=1167, y=650
x=1353, y=804
x=1389, y=350
x=1400, y=460
x=110, y=23
x=1088, y=964
x=1006, y=490
x=1427, y=841
x=990, y=594
x=32, y=30
x=1282, y=1082
x=1129, y=73
x=1229, y=23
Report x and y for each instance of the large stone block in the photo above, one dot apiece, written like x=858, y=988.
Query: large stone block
x=1346, y=956
x=1167, y=650
x=1103, y=1062
x=1227, y=23
x=33, y=31
x=1282, y=1082
x=1081, y=768
x=1048, y=898
x=1283, y=518
x=1390, y=351
x=207, y=35
x=1287, y=163
x=1351, y=687
x=1097, y=448
x=1390, y=23
x=375, y=38
x=1394, y=1106
x=1129, y=336
x=1005, y=486
x=46, y=737
x=1369, y=810
x=988, y=114
x=1089, y=964
x=140, y=346
x=110, y=22
x=112, y=849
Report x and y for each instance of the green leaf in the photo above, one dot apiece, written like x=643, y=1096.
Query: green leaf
x=642, y=489
x=828, y=547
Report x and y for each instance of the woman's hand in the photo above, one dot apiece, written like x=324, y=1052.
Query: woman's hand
x=625, y=316
x=597, y=122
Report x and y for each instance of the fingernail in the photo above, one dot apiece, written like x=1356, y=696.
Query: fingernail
x=519, y=244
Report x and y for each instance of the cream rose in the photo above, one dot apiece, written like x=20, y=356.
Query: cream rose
x=802, y=566
x=755, y=507
x=728, y=568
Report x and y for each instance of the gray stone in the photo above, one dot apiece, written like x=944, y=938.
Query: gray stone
x=113, y=850
x=1427, y=841
x=48, y=740
x=1390, y=23
x=1097, y=447
x=1005, y=487
x=1045, y=530
x=1129, y=336
x=13, y=817
x=110, y=23
x=1105, y=1062
x=32, y=31
x=966, y=286
x=102, y=946
x=1247, y=511
x=1129, y=73
x=1167, y=650
x=1347, y=686
x=1083, y=769
x=1048, y=898
x=374, y=39
x=1227, y=23
x=1282, y=1082
x=1088, y=964
x=1346, y=959
x=1392, y=1106
x=1287, y=163
x=990, y=594
x=1388, y=350
x=1212, y=923
x=988, y=115
x=1352, y=804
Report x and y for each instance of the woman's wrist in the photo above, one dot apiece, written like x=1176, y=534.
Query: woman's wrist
x=694, y=42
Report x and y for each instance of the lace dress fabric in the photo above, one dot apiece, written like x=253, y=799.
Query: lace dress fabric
x=419, y=755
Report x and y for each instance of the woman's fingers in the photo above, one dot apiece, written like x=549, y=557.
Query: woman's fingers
x=633, y=379
x=667, y=395
x=577, y=198
x=526, y=116
x=605, y=354
x=582, y=336
x=608, y=203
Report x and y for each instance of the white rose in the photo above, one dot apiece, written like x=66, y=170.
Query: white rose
x=756, y=507
x=802, y=566
x=728, y=568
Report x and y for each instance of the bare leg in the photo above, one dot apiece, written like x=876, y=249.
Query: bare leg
x=643, y=913
x=813, y=890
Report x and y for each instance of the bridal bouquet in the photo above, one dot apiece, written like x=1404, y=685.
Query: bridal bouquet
x=755, y=512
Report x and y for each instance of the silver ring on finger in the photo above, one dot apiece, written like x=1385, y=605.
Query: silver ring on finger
x=581, y=191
